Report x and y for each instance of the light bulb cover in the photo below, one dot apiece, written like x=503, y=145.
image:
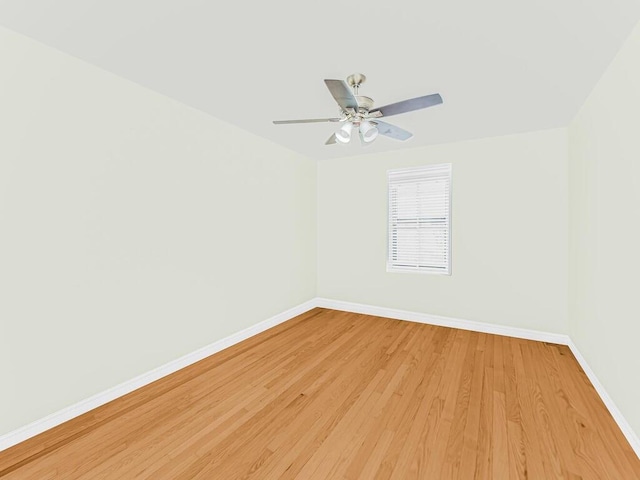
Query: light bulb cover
x=368, y=131
x=344, y=134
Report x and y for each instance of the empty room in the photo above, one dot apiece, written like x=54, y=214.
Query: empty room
x=336, y=240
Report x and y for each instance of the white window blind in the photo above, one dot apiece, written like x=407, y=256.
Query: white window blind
x=420, y=219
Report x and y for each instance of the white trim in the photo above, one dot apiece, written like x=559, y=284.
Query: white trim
x=444, y=321
x=624, y=426
x=32, y=429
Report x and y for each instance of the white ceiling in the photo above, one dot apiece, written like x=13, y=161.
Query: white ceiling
x=502, y=66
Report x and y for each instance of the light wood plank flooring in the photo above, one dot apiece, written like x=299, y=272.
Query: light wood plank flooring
x=334, y=395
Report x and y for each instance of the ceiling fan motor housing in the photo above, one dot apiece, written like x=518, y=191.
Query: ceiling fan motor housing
x=364, y=103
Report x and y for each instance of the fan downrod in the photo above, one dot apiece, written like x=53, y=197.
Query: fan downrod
x=355, y=80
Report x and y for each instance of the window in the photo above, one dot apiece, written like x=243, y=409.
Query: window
x=420, y=219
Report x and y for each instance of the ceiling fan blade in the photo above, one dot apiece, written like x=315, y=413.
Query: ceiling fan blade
x=342, y=94
x=306, y=120
x=331, y=140
x=392, y=131
x=409, y=105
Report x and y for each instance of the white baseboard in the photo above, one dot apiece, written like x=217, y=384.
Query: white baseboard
x=443, y=321
x=626, y=429
x=12, y=438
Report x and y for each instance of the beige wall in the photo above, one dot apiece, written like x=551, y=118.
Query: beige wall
x=604, y=197
x=509, y=232
x=133, y=230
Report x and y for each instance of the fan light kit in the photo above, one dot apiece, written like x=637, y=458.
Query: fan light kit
x=356, y=112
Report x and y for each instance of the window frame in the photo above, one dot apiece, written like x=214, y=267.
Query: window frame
x=427, y=171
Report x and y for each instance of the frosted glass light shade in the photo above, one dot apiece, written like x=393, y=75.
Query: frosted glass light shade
x=368, y=132
x=344, y=134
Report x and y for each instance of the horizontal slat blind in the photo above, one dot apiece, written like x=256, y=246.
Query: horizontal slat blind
x=420, y=219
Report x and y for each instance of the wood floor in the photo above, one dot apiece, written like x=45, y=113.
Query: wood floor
x=334, y=395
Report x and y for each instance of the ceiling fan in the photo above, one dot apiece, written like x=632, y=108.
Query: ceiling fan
x=356, y=111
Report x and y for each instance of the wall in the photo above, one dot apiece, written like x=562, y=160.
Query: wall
x=509, y=232
x=604, y=194
x=133, y=230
